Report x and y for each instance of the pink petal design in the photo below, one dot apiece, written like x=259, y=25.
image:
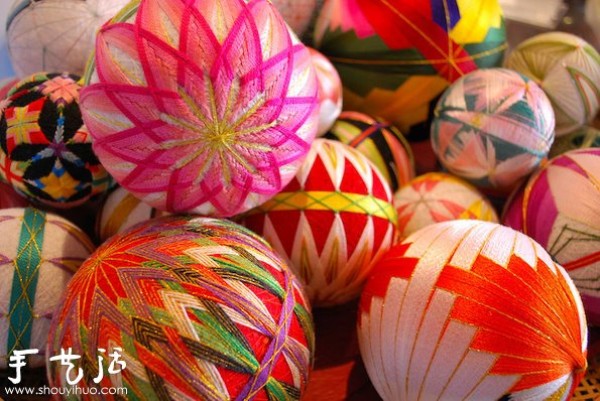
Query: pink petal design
x=474, y=160
x=495, y=90
x=61, y=89
x=204, y=106
x=508, y=172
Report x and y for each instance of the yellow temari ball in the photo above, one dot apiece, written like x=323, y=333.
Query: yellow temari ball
x=435, y=197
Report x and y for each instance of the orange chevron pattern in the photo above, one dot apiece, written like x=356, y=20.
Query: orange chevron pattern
x=201, y=308
x=471, y=310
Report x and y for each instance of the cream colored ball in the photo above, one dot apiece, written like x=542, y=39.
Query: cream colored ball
x=567, y=68
x=55, y=35
x=39, y=253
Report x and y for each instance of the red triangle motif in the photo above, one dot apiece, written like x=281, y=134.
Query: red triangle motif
x=354, y=226
x=380, y=228
x=352, y=182
x=293, y=186
x=379, y=187
x=320, y=222
x=285, y=224
x=319, y=178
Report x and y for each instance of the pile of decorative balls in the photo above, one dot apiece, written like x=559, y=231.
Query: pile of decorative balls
x=186, y=184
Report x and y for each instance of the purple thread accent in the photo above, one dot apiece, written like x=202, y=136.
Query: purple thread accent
x=277, y=344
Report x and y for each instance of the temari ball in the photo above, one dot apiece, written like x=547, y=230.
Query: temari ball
x=471, y=310
x=204, y=106
x=201, y=308
x=582, y=138
x=6, y=85
x=120, y=211
x=331, y=222
x=592, y=16
x=297, y=13
x=396, y=58
x=381, y=142
x=330, y=91
x=10, y=198
x=55, y=35
x=567, y=68
x=436, y=197
x=493, y=128
x=39, y=253
x=559, y=208
x=45, y=149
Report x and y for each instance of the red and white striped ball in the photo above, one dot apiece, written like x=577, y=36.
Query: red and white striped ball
x=331, y=222
x=471, y=310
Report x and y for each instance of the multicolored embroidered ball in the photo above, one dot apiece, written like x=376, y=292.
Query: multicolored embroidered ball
x=45, y=150
x=55, y=35
x=211, y=115
x=330, y=91
x=39, y=253
x=396, y=58
x=582, y=138
x=120, y=211
x=558, y=207
x=197, y=308
x=436, y=197
x=567, y=68
x=332, y=222
x=493, y=128
x=380, y=141
x=297, y=13
x=471, y=310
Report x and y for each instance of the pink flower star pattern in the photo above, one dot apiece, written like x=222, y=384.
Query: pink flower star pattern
x=61, y=89
x=204, y=106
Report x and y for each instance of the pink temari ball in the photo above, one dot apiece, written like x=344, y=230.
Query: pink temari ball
x=559, y=207
x=330, y=91
x=204, y=106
